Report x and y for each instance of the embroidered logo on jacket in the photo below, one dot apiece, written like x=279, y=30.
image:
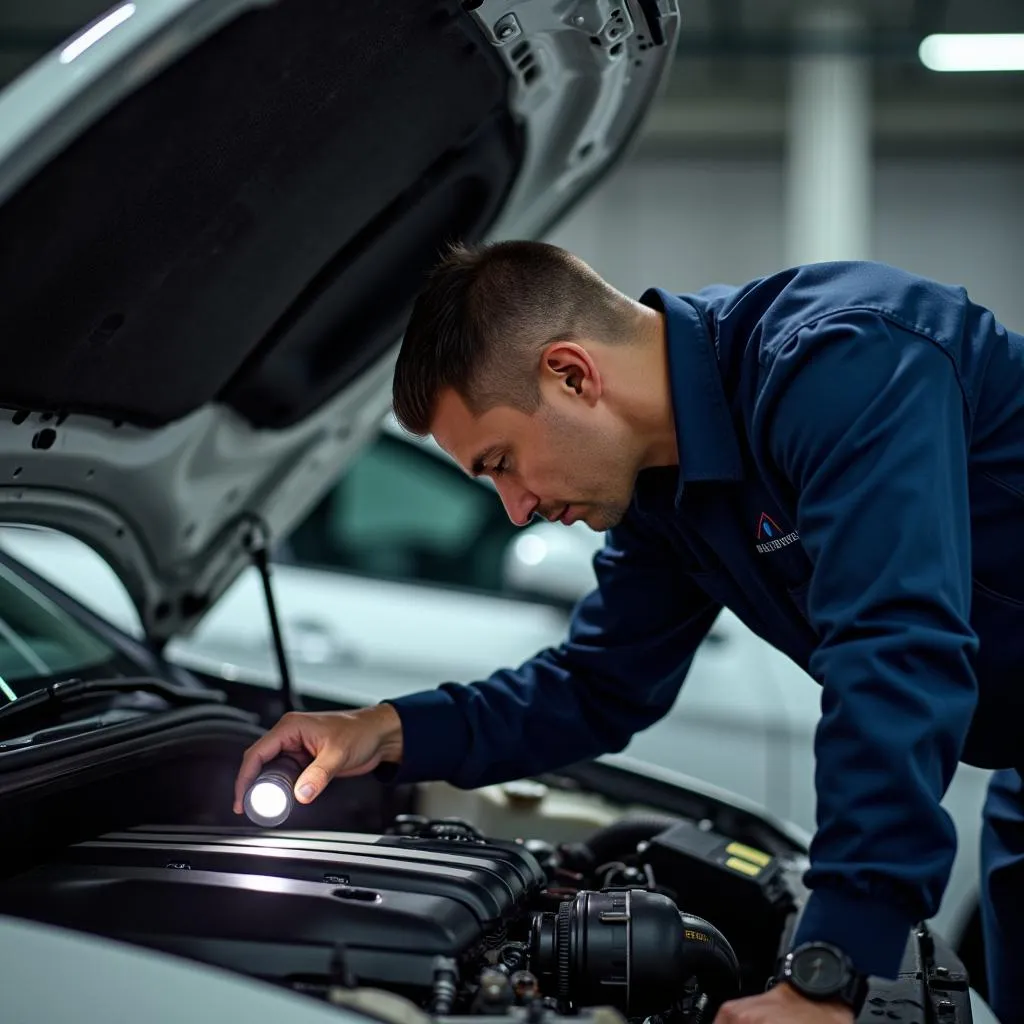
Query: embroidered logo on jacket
x=770, y=537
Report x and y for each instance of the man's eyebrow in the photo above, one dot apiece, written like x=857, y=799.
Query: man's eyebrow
x=480, y=462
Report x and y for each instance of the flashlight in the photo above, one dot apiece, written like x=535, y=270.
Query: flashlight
x=268, y=801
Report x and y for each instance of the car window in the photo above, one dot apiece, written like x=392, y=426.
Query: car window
x=39, y=641
x=403, y=513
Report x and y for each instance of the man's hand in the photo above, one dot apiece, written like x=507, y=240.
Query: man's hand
x=782, y=1005
x=341, y=743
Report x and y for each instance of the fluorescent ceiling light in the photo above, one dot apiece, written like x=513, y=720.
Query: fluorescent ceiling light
x=973, y=52
x=95, y=32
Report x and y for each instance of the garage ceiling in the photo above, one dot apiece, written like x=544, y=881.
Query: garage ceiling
x=893, y=15
x=758, y=36
x=732, y=76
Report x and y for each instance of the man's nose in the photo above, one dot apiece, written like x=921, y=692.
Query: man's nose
x=519, y=503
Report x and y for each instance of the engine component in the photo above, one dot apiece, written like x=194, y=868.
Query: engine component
x=446, y=989
x=279, y=904
x=495, y=993
x=389, y=1008
x=268, y=801
x=612, y=841
x=631, y=949
x=525, y=986
x=743, y=889
x=538, y=1013
x=420, y=827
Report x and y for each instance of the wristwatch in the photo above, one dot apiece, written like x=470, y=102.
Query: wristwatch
x=820, y=971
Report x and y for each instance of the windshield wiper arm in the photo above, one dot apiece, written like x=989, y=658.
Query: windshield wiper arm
x=67, y=689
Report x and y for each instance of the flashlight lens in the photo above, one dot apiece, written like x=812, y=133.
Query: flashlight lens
x=268, y=800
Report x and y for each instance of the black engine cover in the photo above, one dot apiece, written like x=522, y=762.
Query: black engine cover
x=283, y=905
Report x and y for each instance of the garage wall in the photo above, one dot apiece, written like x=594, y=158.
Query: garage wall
x=961, y=222
x=681, y=224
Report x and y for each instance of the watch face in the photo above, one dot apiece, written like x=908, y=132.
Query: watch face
x=818, y=970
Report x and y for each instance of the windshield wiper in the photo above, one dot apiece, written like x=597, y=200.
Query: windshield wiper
x=52, y=733
x=58, y=693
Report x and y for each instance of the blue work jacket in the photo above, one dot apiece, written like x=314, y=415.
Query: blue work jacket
x=851, y=485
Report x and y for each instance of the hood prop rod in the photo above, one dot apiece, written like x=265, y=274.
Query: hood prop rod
x=258, y=544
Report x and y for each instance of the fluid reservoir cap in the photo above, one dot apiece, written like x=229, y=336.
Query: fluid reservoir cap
x=524, y=792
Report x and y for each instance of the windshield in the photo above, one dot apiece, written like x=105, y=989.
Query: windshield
x=40, y=643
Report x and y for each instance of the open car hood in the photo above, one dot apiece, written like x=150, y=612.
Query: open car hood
x=216, y=215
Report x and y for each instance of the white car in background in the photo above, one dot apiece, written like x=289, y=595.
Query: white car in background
x=408, y=573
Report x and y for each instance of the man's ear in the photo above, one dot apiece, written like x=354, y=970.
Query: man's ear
x=570, y=367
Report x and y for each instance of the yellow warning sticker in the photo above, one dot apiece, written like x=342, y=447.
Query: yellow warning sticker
x=749, y=853
x=743, y=866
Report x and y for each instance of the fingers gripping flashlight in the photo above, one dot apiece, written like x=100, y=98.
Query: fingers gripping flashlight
x=268, y=801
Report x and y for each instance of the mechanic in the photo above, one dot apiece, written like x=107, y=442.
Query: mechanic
x=836, y=453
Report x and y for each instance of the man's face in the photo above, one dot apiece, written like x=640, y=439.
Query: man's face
x=567, y=462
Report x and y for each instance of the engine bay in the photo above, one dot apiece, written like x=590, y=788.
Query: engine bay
x=596, y=894
x=433, y=911
x=651, y=918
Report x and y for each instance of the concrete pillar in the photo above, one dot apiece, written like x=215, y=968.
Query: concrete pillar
x=828, y=152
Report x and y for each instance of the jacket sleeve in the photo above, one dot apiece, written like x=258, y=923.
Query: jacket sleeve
x=629, y=647
x=867, y=424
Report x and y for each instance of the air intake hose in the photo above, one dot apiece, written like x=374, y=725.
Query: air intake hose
x=616, y=840
x=631, y=949
x=708, y=956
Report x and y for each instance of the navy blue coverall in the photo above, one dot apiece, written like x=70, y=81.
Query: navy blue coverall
x=851, y=485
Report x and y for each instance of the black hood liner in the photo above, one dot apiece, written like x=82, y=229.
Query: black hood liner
x=253, y=224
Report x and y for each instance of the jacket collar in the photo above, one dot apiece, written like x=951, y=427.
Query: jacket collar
x=706, y=437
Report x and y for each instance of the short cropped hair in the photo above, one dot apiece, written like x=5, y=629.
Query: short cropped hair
x=482, y=319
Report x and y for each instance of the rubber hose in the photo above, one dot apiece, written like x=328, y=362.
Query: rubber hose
x=620, y=837
x=708, y=955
